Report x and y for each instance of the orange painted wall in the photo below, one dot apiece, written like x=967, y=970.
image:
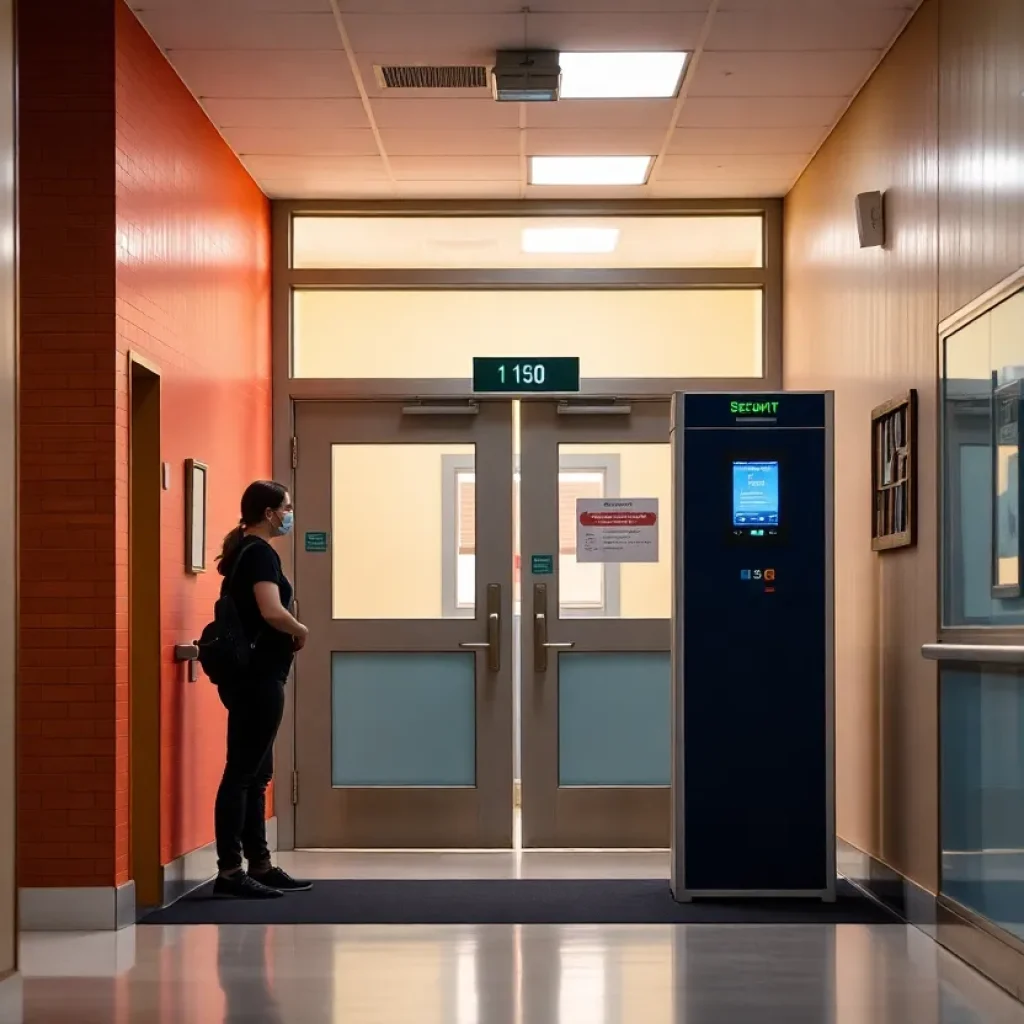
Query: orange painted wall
x=139, y=231
x=193, y=296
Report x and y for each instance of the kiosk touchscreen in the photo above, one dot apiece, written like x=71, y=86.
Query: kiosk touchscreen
x=753, y=646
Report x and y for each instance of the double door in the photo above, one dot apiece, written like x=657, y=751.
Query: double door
x=463, y=650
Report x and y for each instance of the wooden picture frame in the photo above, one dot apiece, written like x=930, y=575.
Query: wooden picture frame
x=894, y=473
x=196, y=502
x=1007, y=556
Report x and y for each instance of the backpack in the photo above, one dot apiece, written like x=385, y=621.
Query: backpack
x=224, y=649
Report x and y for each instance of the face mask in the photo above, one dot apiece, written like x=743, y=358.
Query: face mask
x=287, y=522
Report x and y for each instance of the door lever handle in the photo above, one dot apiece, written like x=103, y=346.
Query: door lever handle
x=493, y=642
x=541, y=644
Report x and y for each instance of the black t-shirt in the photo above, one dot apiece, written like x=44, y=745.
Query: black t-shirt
x=260, y=564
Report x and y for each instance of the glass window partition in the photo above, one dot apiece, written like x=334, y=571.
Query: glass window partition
x=983, y=544
x=380, y=334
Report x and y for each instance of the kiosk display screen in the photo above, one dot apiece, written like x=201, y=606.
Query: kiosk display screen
x=755, y=497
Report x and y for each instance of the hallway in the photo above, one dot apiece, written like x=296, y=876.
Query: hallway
x=536, y=974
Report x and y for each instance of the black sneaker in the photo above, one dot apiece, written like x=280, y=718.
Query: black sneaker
x=241, y=886
x=279, y=880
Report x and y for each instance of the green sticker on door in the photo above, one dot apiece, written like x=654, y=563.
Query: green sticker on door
x=316, y=543
x=542, y=565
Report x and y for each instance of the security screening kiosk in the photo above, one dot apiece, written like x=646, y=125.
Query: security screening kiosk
x=753, y=646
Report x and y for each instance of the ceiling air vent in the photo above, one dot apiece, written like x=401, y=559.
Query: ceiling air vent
x=423, y=76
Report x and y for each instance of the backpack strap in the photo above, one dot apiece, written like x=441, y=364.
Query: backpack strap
x=230, y=578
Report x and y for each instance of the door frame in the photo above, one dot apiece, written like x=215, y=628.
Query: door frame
x=144, y=654
x=287, y=391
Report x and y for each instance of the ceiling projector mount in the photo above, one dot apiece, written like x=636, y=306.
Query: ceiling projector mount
x=526, y=76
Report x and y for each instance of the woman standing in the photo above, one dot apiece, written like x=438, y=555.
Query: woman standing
x=262, y=594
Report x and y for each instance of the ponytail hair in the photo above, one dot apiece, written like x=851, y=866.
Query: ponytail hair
x=257, y=499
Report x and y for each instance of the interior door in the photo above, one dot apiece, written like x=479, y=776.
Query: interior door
x=596, y=672
x=403, y=703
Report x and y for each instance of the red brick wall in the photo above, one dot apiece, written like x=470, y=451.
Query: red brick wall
x=193, y=296
x=67, y=688
x=139, y=231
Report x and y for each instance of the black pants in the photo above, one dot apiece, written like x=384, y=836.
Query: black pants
x=254, y=716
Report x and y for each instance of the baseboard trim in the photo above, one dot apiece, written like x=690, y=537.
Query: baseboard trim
x=11, y=996
x=980, y=944
x=79, y=909
x=188, y=872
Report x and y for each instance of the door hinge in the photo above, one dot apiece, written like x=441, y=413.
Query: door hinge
x=295, y=788
x=295, y=453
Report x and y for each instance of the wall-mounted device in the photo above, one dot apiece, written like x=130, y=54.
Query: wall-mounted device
x=526, y=76
x=871, y=219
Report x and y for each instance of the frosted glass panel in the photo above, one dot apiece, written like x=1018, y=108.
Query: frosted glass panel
x=403, y=719
x=431, y=334
x=614, y=719
x=982, y=776
x=497, y=242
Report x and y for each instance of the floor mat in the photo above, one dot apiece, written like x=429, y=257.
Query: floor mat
x=504, y=901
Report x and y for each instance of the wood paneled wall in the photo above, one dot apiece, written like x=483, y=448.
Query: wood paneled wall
x=940, y=129
x=981, y=151
x=863, y=322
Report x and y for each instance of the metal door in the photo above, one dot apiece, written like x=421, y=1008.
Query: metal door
x=403, y=702
x=596, y=674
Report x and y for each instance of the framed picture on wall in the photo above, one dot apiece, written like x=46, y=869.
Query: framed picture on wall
x=195, y=516
x=1007, y=553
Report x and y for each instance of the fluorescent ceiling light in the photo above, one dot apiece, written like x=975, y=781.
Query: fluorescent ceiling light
x=564, y=241
x=589, y=170
x=605, y=76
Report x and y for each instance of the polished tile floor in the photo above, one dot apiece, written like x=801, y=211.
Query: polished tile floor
x=698, y=974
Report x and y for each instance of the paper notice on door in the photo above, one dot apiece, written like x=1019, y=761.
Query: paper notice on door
x=616, y=529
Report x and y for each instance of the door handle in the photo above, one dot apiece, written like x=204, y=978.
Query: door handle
x=492, y=645
x=541, y=644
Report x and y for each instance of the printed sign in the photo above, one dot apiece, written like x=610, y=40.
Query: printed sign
x=316, y=543
x=542, y=565
x=616, y=529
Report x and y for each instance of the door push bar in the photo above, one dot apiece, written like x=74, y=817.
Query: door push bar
x=492, y=645
x=541, y=646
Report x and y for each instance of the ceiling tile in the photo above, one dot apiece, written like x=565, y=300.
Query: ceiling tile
x=414, y=142
x=597, y=114
x=729, y=168
x=304, y=113
x=816, y=5
x=808, y=28
x=472, y=36
x=444, y=168
x=319, y=74
x=245, y=7
x=762, y=112
x=745, y=141
x=325, y=188
x=840, y=73
x=759, y=188
x=216, y=29
x=593, y=142
x=576, y=192
x=459, y=189
x=346, y=169
x=537, y=7
x=301, y=141
x=394, y=111
x=624, y=30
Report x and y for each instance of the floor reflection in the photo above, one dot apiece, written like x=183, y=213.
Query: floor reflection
x=696, y=974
